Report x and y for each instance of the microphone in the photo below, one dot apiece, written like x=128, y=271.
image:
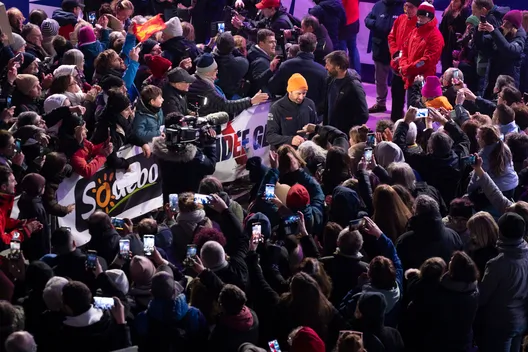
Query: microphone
x=217, y=118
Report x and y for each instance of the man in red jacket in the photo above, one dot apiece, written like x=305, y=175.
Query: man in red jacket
x=11, y=229
x=422, y=51
x=400, y=33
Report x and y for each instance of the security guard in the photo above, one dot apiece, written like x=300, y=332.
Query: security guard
x=290, y=114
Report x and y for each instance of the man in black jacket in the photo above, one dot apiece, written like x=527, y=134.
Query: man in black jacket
x=345, y=102
x=290, y=114
x=175, y=92
x=274, y=17
x=331, y=14
x=303, y=64
x=310, y=24
x=231, y=69
x=262, y=60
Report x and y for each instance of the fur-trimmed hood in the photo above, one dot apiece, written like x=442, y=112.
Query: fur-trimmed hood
x=159, y=148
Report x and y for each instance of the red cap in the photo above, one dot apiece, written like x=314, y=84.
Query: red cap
x=268, y=4
x=298, y=197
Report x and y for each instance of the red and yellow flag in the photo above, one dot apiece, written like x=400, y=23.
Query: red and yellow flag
x=147, y=29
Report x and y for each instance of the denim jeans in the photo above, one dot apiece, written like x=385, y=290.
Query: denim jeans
x=501, y=341
x=350, y=44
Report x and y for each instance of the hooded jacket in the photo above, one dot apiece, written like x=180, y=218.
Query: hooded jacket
x=147, y=124
x=198, y=163
x=231, y=72
x=428, y=237
x=380, y=21
x=330, y=14
x=398, y=37
x=98, y=331
x=232, y=331
x=350, y=108
x=421, y=52
x=504, y=288
x=67, y=21
x=156, y=325
x=346, y=206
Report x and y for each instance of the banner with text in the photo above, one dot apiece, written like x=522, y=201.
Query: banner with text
x=134, y=193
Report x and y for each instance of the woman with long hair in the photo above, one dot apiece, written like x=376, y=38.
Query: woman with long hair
x=289, y=162
x=306, y=305
x=453, y=23
x=390, y=212
x=496, y=161
x=314, y=268
x=337, y=169
x=484, y=233
x=406, y=196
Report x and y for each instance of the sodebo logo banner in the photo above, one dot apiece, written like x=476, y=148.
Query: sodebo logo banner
x=118, y=193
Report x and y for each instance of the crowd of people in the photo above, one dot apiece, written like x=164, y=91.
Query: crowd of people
x=407, y=237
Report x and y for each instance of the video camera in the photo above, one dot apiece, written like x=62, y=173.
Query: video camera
x=195, y=130
x=281, y=39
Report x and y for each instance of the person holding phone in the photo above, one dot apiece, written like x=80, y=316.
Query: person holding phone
x=290, y=114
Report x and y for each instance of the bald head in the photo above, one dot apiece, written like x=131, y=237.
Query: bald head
x=20, y=341
x=98, y=222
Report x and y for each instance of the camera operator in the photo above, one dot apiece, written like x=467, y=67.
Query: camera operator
x=273, y=16
x=310, y=24
x=183, y=164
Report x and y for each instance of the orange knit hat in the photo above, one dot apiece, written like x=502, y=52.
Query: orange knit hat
x=297, y=82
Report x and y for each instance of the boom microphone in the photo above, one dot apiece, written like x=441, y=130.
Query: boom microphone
x=217, y=118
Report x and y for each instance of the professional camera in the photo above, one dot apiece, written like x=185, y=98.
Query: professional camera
x=194, y=130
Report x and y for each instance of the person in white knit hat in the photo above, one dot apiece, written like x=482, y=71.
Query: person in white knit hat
x=175, y=47
x=19, y=44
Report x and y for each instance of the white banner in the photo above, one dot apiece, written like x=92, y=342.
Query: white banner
x=132, y=194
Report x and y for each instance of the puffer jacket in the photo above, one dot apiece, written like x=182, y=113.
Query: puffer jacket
x=398, y=37
x=147, y=124
x=422, y=52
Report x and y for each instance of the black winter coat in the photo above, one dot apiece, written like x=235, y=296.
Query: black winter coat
x=428, y=237
x=174, y=101
x=330, y=14
x=197, y=164
x=454, y=306
x=344, y=272
x=259, y=70
x=350, y=108
x=39, y=243
x=304, y=64
x=178, y=48
x=380, y=21
x=231, y=72
x=215, y=102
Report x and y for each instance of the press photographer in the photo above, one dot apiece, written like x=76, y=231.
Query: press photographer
x=272, y=16
x=187, y=152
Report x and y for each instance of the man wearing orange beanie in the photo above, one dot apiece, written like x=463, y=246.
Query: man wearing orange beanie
x=289, y=114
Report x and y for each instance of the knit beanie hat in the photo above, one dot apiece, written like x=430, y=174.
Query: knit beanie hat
x=415, y=3
x=474, y=20
x=515, y=17
x=213, y=255
x=141, y=270
x=225, y=43
x=65, y=70
x=164, y=287
x=24, y=82
x=18, y=42
x=426, y=9
x=297, y=82
x=158, y=65
x=117, y=102
x=73, y=57
x=49, y=28
x=52, y=294
x=53, y=102
x=86, y=36
x=119, y=278
x=298, y=197
x=372, y=306
x=147, y=47
x=110, y=81
x=28, y=60
x=33, y=184
x=307, y=340
x=206, y=63
x=511, y=225
x=432, y=88
x=387, y=153
x=174, y=28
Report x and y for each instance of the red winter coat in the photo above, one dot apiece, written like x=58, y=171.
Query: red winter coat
x=87, y=160
x=351, y=10
x=421, y=53
x=400, y=33
x=9, y=226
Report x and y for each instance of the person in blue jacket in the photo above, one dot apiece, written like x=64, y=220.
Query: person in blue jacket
x=380, y=21
x=149, y=116
x=91, y=47
x=330, y=14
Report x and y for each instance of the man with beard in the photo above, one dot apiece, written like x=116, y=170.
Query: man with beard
x=345, y=102
x=290, y=114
